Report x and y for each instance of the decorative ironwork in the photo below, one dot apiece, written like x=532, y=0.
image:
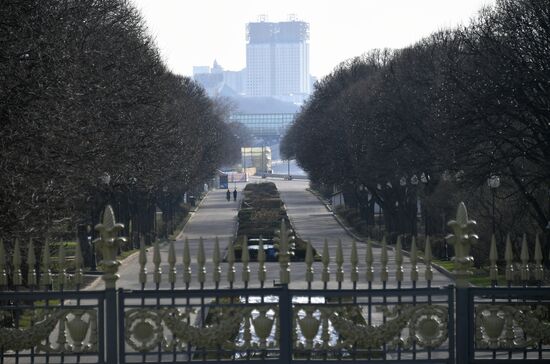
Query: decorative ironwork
x=462, y=239
x=213, y=336
x=143, y=328
x=427, y=327
x=76, y=332
x=407, y=319
x=109, y=243
x=508, y=326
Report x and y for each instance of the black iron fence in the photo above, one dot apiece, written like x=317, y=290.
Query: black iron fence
x=372, y=313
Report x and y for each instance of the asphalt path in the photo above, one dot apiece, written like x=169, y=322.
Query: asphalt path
x=216, y=218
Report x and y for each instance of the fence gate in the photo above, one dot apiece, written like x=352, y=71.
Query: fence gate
x=283, y=325
x=353, y=313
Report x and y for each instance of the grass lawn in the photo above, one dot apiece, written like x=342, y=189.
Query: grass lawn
x=479, y=278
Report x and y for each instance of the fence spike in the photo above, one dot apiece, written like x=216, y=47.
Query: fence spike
x=3, y=273
x=245, y=258
x=493, y=258
x=186, y=263
x=309, y=263
x=142, y=263
x=384, y=261
x=17, y=277
x=509, y=258
x=262, y=272
x=429, y=273
x=79, y=263
x=369, y=259
x=284, y=254
x=398, y=260
x=354, y=260
x=524, y=256
x=414, y=260
x=231, y=263
x=201, y=262
x=109, y=243
x=325, y=276
x=217, y=273
x=31, y=263
x=157, y=274
x=539, y=268
x=339, y=262
x=172, y=273
x=46, y=274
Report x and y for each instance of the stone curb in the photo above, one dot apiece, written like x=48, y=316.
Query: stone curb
x=358, y=238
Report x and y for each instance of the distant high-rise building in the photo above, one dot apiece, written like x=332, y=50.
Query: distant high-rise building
x=277, y=60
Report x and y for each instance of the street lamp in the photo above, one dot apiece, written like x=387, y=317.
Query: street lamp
x=493, y=182
x=403, y=183
x=244, y=162
x=425, y=179
x=414, y=182
x=288, y=168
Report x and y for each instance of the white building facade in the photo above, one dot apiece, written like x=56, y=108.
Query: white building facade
x=277, y=60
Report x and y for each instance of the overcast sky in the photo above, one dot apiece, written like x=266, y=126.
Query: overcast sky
x=194, y=33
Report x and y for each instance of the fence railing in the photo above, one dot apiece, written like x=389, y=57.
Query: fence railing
x=362, y=303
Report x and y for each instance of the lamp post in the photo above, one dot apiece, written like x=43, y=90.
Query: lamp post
x=361, y=188
x=379, y=217
x=288, y=169
x=493, y=182
x=414, y=182
x=425, y=179
x=403, y=184
x=244, y=162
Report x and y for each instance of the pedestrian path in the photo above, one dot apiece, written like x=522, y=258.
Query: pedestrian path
x=315, y=223
x=216, y=217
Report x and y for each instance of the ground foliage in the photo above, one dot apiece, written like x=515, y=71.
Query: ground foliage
x=457, y=107
x=260, y=216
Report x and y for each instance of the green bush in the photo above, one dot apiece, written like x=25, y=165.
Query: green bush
x=261, y=213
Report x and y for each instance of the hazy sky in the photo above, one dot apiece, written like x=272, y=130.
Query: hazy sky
x=195, y=32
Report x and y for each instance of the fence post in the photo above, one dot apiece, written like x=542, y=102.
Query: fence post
x=108, y=243
x=462, y=239
x=462, y=327
x=286, y=335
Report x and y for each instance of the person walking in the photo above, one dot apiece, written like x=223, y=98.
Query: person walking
x=228, y=195
x=235, y=194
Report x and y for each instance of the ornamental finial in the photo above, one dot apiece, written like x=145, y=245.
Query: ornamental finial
x=462, y=238
x=108, y=244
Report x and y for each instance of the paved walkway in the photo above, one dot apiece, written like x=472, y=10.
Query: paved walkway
x=217, y=218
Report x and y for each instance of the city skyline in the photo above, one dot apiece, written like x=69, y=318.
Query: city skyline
x=196, y=33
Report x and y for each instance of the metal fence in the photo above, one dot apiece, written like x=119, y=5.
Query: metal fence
x=361, y=309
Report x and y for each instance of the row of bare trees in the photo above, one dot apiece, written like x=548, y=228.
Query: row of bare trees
x=437, y=120
x=90, y=115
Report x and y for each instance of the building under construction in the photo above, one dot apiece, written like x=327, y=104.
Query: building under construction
x=277, y=60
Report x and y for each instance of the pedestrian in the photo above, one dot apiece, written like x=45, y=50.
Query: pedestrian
x=235, y=194
x=228, y=195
